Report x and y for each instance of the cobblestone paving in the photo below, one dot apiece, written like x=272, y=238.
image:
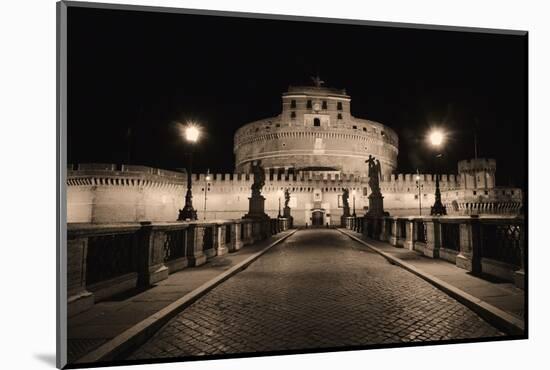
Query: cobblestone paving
x=314, y=291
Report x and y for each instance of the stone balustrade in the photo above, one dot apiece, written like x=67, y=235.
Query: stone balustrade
x=107, y=259
x=488, y=245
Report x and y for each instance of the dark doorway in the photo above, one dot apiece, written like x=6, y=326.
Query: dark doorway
x=317, y=218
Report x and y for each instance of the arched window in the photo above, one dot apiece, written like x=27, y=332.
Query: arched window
x=316, y=122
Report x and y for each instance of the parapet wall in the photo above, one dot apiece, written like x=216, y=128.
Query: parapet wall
x=99, y=193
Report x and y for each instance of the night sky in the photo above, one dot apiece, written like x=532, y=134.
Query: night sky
x=133, y=75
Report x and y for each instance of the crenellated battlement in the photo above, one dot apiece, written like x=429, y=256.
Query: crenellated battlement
x=97, y=174
x=478, y=164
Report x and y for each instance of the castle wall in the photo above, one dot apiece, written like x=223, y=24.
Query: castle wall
x=145, y=194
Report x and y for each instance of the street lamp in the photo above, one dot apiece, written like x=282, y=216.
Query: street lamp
x=437, y=138
x=206, y=189
x=419, y=186
x=353, y=194
x=279, y=193
x=191, y=134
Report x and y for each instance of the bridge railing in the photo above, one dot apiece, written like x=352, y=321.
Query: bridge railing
x=104, y=260
x=488, y=245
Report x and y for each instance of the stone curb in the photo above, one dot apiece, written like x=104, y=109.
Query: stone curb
x=494, y=315
x=140, y=332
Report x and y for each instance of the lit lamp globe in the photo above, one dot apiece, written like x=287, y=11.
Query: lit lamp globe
x=436, y=137
x=191, y=133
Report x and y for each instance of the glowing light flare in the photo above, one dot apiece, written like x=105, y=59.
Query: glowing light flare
x=436, y=137
x=191, y=132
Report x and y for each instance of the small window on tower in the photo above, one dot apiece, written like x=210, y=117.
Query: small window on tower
x=316, y=122
x=354, y=127
x=339, y=105
x=293, y=103
x=309, y=104
x=339, y=115
x=365, y=129
x=292, y=114
x=324, y=104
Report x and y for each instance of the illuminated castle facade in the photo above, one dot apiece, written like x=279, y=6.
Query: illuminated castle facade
x=315, y=132
x=315, y=148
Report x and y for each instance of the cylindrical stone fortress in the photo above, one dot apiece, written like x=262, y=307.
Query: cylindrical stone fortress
x=315, y=132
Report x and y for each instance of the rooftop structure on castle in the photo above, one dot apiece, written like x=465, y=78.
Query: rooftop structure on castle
x=315, y=132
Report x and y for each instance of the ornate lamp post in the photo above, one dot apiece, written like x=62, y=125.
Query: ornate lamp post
x=279, y=193
x=206, y=189
x=419, y=186
x=437, y=137
x=353, y=193
x=191, y=134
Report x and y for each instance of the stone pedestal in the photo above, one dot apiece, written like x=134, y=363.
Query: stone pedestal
x=221, y=246
x=464, y=261
x=409, y=235
x=256, y=208
x=78, y=298
x=393, y=239
x=246, y=236
x=376, y=205
x=433, y=238
x=209, y=246
x=469, y=257
x=236, y=242
x=152, y=268
x=288, y=216
x=385, y=230
x=195, y=242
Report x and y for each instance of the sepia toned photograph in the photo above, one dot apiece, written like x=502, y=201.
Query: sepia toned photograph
x=240, y=185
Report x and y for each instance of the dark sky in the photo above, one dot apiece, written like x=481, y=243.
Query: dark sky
x=143, y=72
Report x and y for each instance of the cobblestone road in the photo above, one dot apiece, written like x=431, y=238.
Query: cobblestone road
x=314, y=291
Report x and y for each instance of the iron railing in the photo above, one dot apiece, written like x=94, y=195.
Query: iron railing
x=502, y=242
x=174, y=245
x=450, y=236
x=110, y=256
